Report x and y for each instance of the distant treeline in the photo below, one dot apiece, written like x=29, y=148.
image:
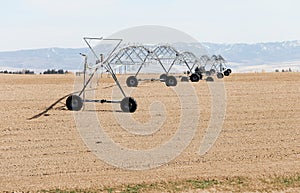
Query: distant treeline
x=17, y=72
x=283, y=70
x=53, y=71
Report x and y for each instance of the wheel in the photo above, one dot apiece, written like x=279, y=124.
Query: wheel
x=195, y=78
x=229, y=70
x=208, y=73
x=209, y=79
x=171, y=81
x=74, y=103
x=163, y=77
x=199, y=74
x=212, y=71
x=220, y=75
x=128, y=104
x=202, y=70
x=197, y=70
x=226, y=73
x=184, y=79
x=132, y=81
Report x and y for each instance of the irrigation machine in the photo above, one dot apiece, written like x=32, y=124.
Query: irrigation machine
x=165, y=56
x=75, y=102
x=140, y=56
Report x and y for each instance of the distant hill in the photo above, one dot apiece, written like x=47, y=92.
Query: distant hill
x=259, y=53
x=48, y=58
x=240, y=56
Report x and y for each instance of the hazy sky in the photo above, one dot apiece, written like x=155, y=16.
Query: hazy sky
x=27, y=24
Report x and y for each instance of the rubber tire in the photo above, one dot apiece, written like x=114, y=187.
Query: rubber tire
x=74, y=103
x=212, y=71
x=184, y=79
x=195, y=77
x=200, y=76
x=132, y=81
x=171, y=81
x=209, y=79
x=128, y=105
x=220, y=75
x=202, y=70
x=163, y=77
x=226, y=73
x=229, y=70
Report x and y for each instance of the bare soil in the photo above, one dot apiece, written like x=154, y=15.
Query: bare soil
x=260, y=139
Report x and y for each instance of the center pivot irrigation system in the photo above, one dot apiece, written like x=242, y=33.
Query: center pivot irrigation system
x=75, y=102
x=213, y=65
x=140, y=56
x=164, y=55
x=167, y=57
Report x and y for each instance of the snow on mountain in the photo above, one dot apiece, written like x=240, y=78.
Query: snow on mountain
x=259, y=53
